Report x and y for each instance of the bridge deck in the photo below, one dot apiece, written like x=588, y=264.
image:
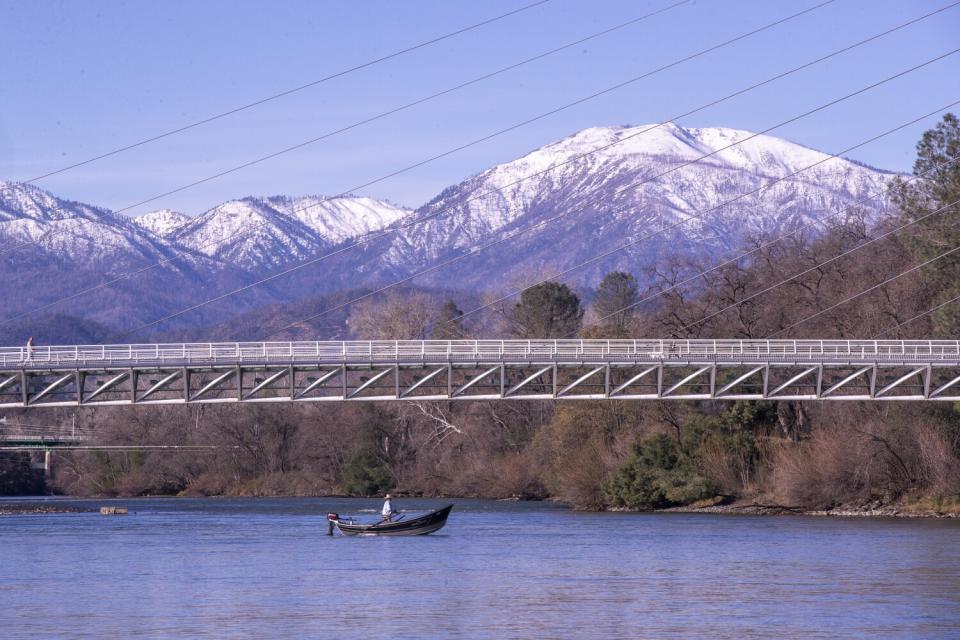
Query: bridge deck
x=476, y=350
x=475, y=369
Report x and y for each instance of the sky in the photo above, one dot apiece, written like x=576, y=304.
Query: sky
x=81, y=78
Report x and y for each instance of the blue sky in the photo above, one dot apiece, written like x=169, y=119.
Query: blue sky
x=81, y=77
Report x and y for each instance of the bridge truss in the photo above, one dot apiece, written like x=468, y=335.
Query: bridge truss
x=480, y=370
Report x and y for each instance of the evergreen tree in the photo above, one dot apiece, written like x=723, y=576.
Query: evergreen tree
x=617, y=291
x=366, y=475
x=17, y=478
x=659, y=474
x=548, y=310
x=937, y=152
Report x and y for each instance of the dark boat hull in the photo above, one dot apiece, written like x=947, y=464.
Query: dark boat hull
x=419, y=526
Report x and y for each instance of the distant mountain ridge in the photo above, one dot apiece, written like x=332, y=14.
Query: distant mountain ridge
x=69, y=230
x=647, y=186
x=55, y=248
x=649, y=178
x=257, y=233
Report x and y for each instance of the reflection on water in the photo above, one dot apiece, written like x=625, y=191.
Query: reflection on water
x=265, y=568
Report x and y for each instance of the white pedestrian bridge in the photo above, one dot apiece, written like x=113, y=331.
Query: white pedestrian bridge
x=322, y=371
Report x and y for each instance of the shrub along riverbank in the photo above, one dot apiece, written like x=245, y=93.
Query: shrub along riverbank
x=743, y=457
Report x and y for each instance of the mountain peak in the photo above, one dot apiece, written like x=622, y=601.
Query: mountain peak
x=640, y=195
x=72, y=230
x=342, y=217
x=162, y=222
x=602, y=185
x=256, y=231
x=19, y=200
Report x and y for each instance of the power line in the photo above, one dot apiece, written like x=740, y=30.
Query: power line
x=466, y=145
x=592, y=96
x=374, y=118
x=635, y=185
x=442, y=210
x=819, y=265
x=504, y=187
x=917, y=317
x=469, y=144
x=293, y=90
x=554, y=218
x=880, y=284
x=305, y=143
x=696, y=215
x=794, y=231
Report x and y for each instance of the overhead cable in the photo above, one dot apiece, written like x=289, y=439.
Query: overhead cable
x=795, y=230
x=695, y=216
x=366, y=121
x=436, y=213
x=899, y=325
x=287, y=92
x=635, y=185
x=373, y=237
x=819, y=265
x=917, y=267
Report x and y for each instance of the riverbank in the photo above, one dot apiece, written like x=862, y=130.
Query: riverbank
x=876, y=509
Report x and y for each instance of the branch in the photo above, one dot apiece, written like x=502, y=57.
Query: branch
x=443, y=426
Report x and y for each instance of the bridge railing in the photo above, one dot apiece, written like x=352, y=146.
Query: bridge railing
x=470, y=350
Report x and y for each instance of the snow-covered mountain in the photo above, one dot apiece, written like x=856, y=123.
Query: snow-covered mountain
x=163, y=222
x=258, y=233
x=249, y=234
x=662, y=192
x=339, y=219
x=72, y=231
x=608, y=186
x=252, y=233
x=71, y=260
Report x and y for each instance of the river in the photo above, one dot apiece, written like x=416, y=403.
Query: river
x=265, y=568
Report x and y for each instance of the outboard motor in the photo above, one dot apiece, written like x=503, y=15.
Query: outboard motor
x=331, y=518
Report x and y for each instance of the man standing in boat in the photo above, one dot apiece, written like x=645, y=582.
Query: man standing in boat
x=387, y=511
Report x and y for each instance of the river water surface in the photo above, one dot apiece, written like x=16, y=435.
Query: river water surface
x=264, y=568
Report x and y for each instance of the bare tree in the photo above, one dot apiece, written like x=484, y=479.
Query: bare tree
x=396, y=316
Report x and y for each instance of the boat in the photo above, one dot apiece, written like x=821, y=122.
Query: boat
x=418, y=526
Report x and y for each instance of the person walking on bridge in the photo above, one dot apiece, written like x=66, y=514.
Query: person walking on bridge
x=29, y=357
x=387, y=511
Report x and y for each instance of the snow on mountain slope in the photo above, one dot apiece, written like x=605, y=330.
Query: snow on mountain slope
x=252, y=233
x=248, y=234
x=257, y=233
x=74, y=231
x=664, y=190
x=25, y=201
x=635, y=180
x=163, y=222
x=55, y=249
x=339, y=219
